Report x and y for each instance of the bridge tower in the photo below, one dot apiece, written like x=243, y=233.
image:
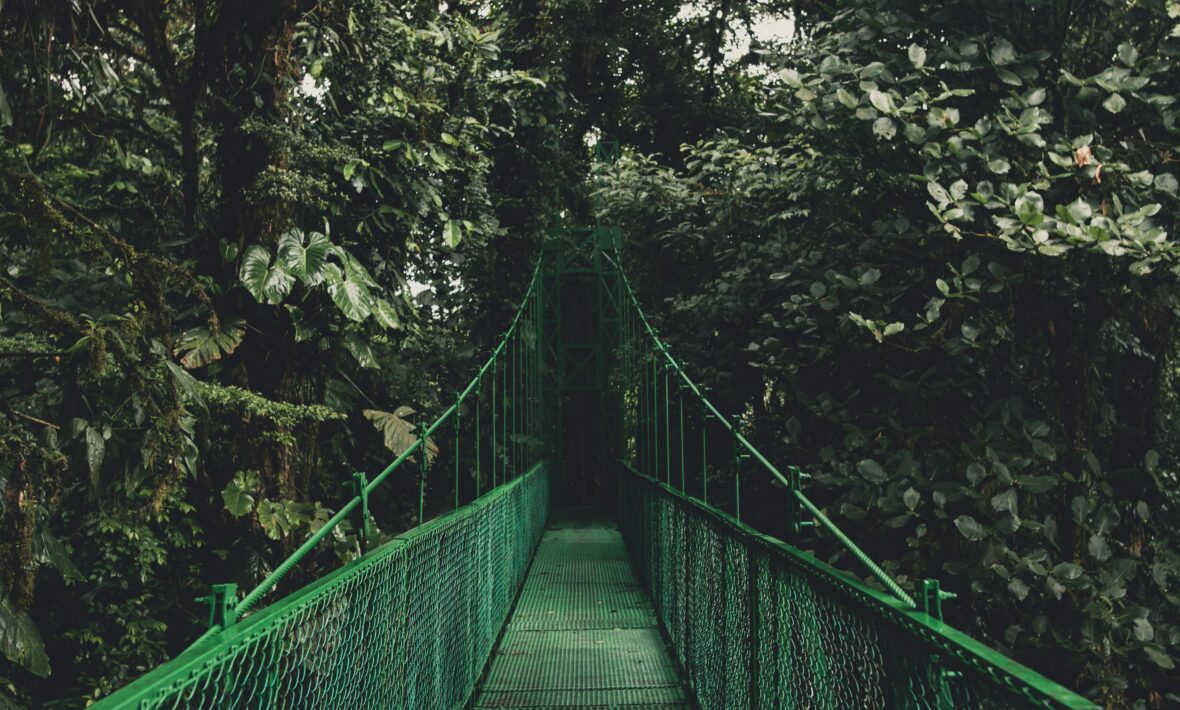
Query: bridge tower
x=582, y=289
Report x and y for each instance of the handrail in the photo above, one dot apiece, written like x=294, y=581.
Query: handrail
x=348, y=508
x=956, y=650
x=832, y=528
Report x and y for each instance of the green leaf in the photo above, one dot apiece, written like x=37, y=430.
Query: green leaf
x=911, y=498
x=917, y=56
x=1098, y=548
x=882, y=101
x=1141, y=179
x=872, y=70
x=1005, y=501
x=1114, y=103
x=939, y=193
x=1166, y=182
x=872, y=471
x=48, y=550
x=5, y=110
x=999, y=166
x=969, y=528
x=845, y=97
x=1036, y=97
x=1144, y=630
x=201, y=346
x=399, y=433
x=1159, y=657
x=1128, y=54
x=359, y=347
x=791, y=78
x=20, y=641
x=1079, y=211
x=272, y=520
x=1002, y=53
x=354, y=270
x=452, y=233
x=304, y=255
x=884, y=128
x=238, y=501
x=95, y=451
x=303, y=330
x=385, y=315
x=350, y=296
x=266, y=283
x=1009, y=77
x=1029, y=208
x=1018, y=588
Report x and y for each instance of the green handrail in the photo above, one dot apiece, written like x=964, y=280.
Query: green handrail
x=285, y=567
x=262, y=659
x=661, y=347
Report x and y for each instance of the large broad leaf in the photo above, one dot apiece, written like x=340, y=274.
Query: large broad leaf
x=304, y=254
x=354, y=270
x=360, y=350
x=238, y=501
x=185, y=382
x=453, y=233
x=399, y=432
x=201, y=346
x=385, y=315
x=20, y=642
x=266, y=282
x=48, y=550
x=239, y=495
x=351, y=296
x=272, y=520
x=280, y=519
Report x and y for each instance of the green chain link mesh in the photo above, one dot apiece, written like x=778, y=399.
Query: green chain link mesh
x=411, y=624
x=755, y=623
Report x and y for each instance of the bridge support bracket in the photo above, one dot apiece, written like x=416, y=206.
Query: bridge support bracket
x=221, y=601
x=930, y=600
x=932, y=595
x=797, y=515
x=359, y=484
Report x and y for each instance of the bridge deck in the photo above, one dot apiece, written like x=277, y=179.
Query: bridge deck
x=584, y=633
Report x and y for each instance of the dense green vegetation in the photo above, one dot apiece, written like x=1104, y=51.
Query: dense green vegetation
x=925, y=250
x=938, y=269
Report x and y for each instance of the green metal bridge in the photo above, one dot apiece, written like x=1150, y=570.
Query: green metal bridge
x=642, y=588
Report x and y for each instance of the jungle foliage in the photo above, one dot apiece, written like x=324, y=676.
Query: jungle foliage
x=247, y=246
x=938, y=269
x=923, y=249
x=210, y=216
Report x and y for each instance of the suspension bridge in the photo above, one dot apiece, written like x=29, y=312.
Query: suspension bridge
x=596, y=555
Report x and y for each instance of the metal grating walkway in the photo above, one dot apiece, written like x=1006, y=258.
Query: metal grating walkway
x=583, y=634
